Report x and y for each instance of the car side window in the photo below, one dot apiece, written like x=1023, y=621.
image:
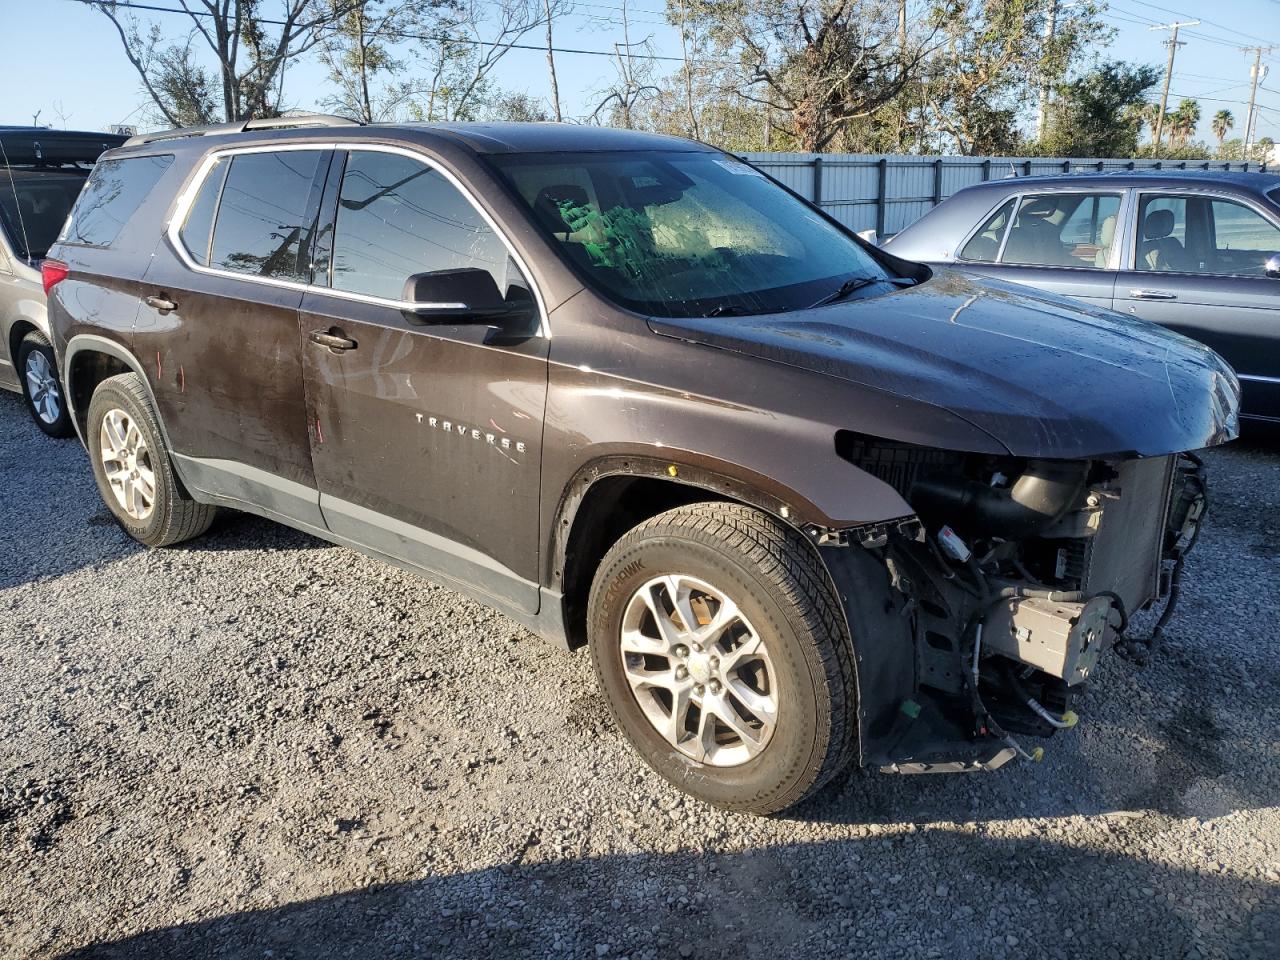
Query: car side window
x=197, y=230
x=1209, y=236
x=398, y=217
x=263, y=219
x=984, y=246
x=113, y=194
x=1063, y=230
x=1243, y=239
x=1162, y=235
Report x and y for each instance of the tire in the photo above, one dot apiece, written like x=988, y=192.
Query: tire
x=38, y=372
x=784, y=597
x=121, y=406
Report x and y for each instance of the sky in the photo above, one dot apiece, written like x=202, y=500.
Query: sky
x=77, y=75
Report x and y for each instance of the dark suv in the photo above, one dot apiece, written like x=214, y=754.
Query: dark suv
x=806, y=502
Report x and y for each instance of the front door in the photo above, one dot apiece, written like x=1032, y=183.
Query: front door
x=426, y=436
x=1199, y=268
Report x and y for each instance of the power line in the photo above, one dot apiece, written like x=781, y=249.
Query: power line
x=1212, y=23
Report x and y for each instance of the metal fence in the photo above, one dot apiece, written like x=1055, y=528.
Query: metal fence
x=887, y=193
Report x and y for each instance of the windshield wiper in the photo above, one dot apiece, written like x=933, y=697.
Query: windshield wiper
x=724, y=310
x=857, y=283
x=846, y=288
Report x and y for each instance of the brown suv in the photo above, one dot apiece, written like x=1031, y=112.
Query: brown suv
x=806, y=502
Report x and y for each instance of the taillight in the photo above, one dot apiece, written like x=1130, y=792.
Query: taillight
x=51, y=272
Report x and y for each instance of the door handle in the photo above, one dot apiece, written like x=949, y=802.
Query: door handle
x=1152, y=295
x=161, y=304
x=334, y=341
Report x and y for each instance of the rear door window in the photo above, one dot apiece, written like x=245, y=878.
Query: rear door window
x=265, y=214
x=1063, y=230
x=113, y=194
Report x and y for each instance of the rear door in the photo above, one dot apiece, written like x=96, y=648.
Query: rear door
x=1197, y=265
x=426, y=436
x=219, y=327
x=1061, y=241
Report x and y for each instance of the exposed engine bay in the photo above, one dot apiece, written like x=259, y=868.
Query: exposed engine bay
x=1009, y=585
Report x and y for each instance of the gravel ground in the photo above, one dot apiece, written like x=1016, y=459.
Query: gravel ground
x=259, y=745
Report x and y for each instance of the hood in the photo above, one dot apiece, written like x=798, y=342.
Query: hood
x=1043, y=375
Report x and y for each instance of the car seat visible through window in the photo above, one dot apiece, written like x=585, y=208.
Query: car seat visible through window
x=1159, y=251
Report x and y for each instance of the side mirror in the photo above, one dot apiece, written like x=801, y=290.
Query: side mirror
x=1272, y=269
x=467, y=295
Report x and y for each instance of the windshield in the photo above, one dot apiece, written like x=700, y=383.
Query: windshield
x=34, y=204
x=686, y=234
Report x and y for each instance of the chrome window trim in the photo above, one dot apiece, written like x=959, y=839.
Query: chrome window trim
x=187, y=197
x=1129, y=264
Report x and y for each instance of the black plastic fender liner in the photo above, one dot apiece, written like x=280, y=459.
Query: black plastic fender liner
x=880, y=628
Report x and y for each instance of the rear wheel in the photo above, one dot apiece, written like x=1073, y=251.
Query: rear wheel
x=38, y=370
x=722, y=650
x=131, y=464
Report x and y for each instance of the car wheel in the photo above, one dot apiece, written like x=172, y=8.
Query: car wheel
x=38, y=370
x=132, y=466
x=722, y=650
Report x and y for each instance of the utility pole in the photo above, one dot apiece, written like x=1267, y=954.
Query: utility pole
x=1042, y=110
x=1257, y=73
x=1172, y=44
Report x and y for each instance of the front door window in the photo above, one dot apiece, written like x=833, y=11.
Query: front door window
x=1208, y=236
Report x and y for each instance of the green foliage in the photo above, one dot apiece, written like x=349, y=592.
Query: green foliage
x=1099, y=114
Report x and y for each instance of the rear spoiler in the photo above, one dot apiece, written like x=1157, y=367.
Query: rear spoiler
x=37, y=146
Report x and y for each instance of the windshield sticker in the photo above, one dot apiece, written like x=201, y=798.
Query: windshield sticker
x=738, y=168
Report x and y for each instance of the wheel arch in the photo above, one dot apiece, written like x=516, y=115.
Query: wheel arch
x=88, y=360
x=17, y=333
x=610, y=495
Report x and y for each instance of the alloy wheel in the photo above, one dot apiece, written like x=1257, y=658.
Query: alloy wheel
x=42, y=387
x=126, y=461
x=699, y=670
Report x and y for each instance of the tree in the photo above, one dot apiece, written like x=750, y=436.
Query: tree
x=1223, y=121
x=1099, y=114
x=1183, y=122
x=634, y=82
x=996, y=54
x=366, y=44
x=814, y=66
x=251, y=50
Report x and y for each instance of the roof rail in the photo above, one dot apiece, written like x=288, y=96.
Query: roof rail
x=240, y=126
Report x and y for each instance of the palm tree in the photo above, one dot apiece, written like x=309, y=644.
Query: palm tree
x=1223, y=121
x=1183, y=121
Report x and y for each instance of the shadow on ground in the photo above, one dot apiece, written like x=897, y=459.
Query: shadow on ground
x=822, y=902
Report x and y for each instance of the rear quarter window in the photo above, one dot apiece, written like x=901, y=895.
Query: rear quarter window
x=113, y=194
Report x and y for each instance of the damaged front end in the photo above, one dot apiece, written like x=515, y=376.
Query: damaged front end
x=1005, y=589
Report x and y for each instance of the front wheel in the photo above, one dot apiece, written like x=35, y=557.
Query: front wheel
x=721, y=648
x=38, y=369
